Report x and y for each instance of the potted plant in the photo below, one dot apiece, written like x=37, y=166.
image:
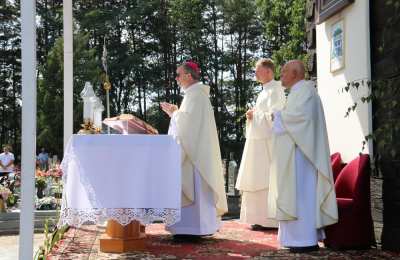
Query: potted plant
x=40, y=186
x=4, y=194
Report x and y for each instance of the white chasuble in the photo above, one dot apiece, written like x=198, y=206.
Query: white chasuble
x=302, y=231
x=199, y=217
x=253, y=177
x=304, y=131
x=203, y=191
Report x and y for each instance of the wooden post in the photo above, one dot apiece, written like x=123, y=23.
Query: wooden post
x=120, y=239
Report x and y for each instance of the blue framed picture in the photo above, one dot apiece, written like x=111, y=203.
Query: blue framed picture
x=337, y=46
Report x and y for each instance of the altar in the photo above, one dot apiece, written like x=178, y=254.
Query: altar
x=126, y=179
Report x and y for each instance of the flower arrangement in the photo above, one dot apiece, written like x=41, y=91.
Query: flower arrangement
x=40, y=173
x=55, y=172
x=4, y=192
x=46, y=182
x=40, y=185
x=46, y=203
x=12, y=200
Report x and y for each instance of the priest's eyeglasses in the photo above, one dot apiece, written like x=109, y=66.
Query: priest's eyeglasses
x=180, y=74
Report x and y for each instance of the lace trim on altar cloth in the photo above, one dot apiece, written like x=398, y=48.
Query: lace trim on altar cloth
x=76, y=218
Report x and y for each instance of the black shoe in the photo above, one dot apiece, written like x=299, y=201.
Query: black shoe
x=257, y=227
x=303, y=249
x=186, y=238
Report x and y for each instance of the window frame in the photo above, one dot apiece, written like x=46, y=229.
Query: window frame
x=328, y=8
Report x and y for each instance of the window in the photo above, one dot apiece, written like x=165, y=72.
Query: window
x=327, y=8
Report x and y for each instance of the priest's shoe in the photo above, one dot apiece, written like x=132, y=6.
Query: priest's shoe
x=303, y=249
x=257, y=227
x=186, y=238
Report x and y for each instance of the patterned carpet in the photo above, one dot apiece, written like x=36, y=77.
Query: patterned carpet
x=234, y=241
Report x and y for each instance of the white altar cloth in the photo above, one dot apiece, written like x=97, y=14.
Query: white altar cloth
x=121, y=177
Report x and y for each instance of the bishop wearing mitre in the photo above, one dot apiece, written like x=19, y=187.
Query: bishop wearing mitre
x=193, y=125
x=302, y=195
x=253, y=178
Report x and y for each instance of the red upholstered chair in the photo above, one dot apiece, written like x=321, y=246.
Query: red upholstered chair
x=337, y=165
x=355, y=228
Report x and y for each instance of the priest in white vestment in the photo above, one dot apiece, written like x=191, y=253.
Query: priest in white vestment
x=302, y=195
x=193, y=125
x=253, y=178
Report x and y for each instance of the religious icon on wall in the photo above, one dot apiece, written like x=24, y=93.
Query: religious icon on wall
x=337, y=45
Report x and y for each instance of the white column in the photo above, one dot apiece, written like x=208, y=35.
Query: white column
x=68, y=71
x=28, y=48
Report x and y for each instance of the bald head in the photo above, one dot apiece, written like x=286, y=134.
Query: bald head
x=292, y=72
x=298, y=67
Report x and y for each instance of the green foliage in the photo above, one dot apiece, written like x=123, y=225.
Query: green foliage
x=53, y=234
x=10, y=75
x=157, y=119
x=146, y=40
x=384, y=95
x=11, y=200
x=40, y=183
x=284, y=29
x=243, y=33
x=50, y=91
x=49, y=27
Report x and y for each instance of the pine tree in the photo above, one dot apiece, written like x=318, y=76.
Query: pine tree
x=284, y=30
x=10, y=75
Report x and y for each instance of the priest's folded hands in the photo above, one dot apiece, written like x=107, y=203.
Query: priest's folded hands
x=168, y=108
x=249, y=114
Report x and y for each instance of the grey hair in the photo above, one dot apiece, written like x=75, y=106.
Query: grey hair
x=195, y=75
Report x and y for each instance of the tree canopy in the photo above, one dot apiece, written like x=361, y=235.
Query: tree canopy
x=145, y=42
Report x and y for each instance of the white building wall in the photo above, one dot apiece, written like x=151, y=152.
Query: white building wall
x=346, y=134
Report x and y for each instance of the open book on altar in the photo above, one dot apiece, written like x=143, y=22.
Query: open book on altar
x=129, y=124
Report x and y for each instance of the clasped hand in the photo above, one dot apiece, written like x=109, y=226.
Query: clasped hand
x=249, y=114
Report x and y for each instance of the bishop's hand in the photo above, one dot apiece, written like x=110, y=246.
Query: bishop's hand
x=249, y=114
x=168, y=108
